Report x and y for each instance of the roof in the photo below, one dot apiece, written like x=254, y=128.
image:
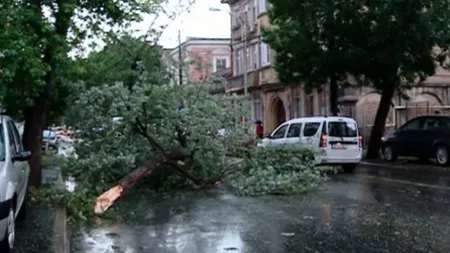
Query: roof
x=199, y=41
x=319, y=118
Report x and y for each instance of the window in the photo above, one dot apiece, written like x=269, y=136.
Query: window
x=246, y=16
x=412, y=125
x=48, y=134
x=220, y=64
x=255, y=11
x=294, y=130
x=235, y=18
x=17, y=139
x=257, y=107
x=262, y=6
x=311, y=129
x=247, y=58
x=265, y=54
x=279, y=134
x=238, y=62
x=342, y=129
x=255, y=57
x=2, y=144
x=433, y=123
x=13, y=150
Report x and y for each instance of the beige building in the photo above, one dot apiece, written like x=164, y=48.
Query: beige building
x=274, y=103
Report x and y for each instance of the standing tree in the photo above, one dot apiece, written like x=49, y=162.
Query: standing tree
x=36, y=39
x=115, y=63
x=390, y=44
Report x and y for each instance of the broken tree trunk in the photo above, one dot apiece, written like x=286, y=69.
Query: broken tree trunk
x=106, y=200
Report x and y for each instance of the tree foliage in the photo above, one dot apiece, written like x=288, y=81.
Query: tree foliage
x=36, y=39
x=389, y=44
x=150, y=123
x=122, y=59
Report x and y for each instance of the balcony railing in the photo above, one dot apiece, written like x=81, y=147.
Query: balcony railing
x=236, y=83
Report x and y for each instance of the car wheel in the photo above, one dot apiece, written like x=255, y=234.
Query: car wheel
x=349, y=168
x=442, y=155
x=7, y=244
x=388, y=154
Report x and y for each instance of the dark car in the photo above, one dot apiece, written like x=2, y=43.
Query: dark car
x=423, y=137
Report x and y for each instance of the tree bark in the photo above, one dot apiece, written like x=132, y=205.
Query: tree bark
x=32, y=137
x=107, y=199
x=377, y=131
x=334, y=97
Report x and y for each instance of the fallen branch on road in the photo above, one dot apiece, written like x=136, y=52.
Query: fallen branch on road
x=107, y=199
x=174, y=159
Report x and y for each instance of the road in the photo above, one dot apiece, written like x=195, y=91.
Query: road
x=373, y=210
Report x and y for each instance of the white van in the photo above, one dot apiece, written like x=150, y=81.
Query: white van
x=335, y=140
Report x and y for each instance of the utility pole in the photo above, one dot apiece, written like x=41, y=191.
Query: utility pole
x=180, y=58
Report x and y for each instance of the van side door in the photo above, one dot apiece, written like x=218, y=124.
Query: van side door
x=293, y=138
x=278, y=138
x=310, y=135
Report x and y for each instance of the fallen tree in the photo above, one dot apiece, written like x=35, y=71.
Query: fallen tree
x=156, y=146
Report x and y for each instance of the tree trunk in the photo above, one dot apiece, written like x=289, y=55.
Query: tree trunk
x=107, y=199
x=334, y=97
x=32, y=136
x=377, y=132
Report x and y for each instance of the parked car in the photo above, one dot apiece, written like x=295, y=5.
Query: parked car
x=49, y=139
x=336, y=139
x=422, y=137
x=14, y=171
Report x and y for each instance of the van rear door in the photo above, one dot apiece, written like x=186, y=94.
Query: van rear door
x=342, y=138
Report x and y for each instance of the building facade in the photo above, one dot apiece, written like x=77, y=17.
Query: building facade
x=274, y=103
x=199, y=59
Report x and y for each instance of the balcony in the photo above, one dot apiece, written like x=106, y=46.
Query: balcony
x=236, y=33
x=218, y=81
x=236, y=83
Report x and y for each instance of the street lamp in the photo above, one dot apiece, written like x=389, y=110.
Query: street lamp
x=244, y=37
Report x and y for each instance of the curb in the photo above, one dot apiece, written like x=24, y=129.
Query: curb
x=60, y=233
x=408, y=167
x=61, y=239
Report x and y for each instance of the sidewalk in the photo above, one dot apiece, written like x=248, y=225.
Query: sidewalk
x=406, y=164
x=60, y=238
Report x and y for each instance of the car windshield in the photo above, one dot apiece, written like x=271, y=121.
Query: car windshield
x=342, y=129
x=49, y=134
x=2, y=144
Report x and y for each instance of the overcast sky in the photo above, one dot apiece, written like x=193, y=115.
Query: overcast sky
x=199, y=22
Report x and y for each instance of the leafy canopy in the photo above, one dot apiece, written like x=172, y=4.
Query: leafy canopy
x=123, y=59
x=36, y=37
x=108, y=150
x=385, y=41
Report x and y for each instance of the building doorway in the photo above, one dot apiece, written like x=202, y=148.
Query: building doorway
x=277, y=113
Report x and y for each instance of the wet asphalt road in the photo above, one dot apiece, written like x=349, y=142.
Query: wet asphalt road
x=373, y=210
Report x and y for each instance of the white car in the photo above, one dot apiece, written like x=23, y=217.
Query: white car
x=14, y=171
x=335, y=139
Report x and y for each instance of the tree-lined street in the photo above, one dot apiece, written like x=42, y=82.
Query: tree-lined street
x=159, y=162
x=374, y=210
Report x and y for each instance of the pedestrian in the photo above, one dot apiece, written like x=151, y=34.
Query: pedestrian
x=259, y=129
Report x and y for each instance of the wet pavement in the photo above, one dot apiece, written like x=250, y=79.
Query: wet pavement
x=373, y=210
x=34, y=235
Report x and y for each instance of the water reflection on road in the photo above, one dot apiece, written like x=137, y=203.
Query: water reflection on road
x=355, y=213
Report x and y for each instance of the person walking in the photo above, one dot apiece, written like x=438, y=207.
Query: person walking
x=259, y=129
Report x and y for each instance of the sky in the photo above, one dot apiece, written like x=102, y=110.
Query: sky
x=198, y=22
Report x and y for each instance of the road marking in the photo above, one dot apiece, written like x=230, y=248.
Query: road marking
x=405, y=182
